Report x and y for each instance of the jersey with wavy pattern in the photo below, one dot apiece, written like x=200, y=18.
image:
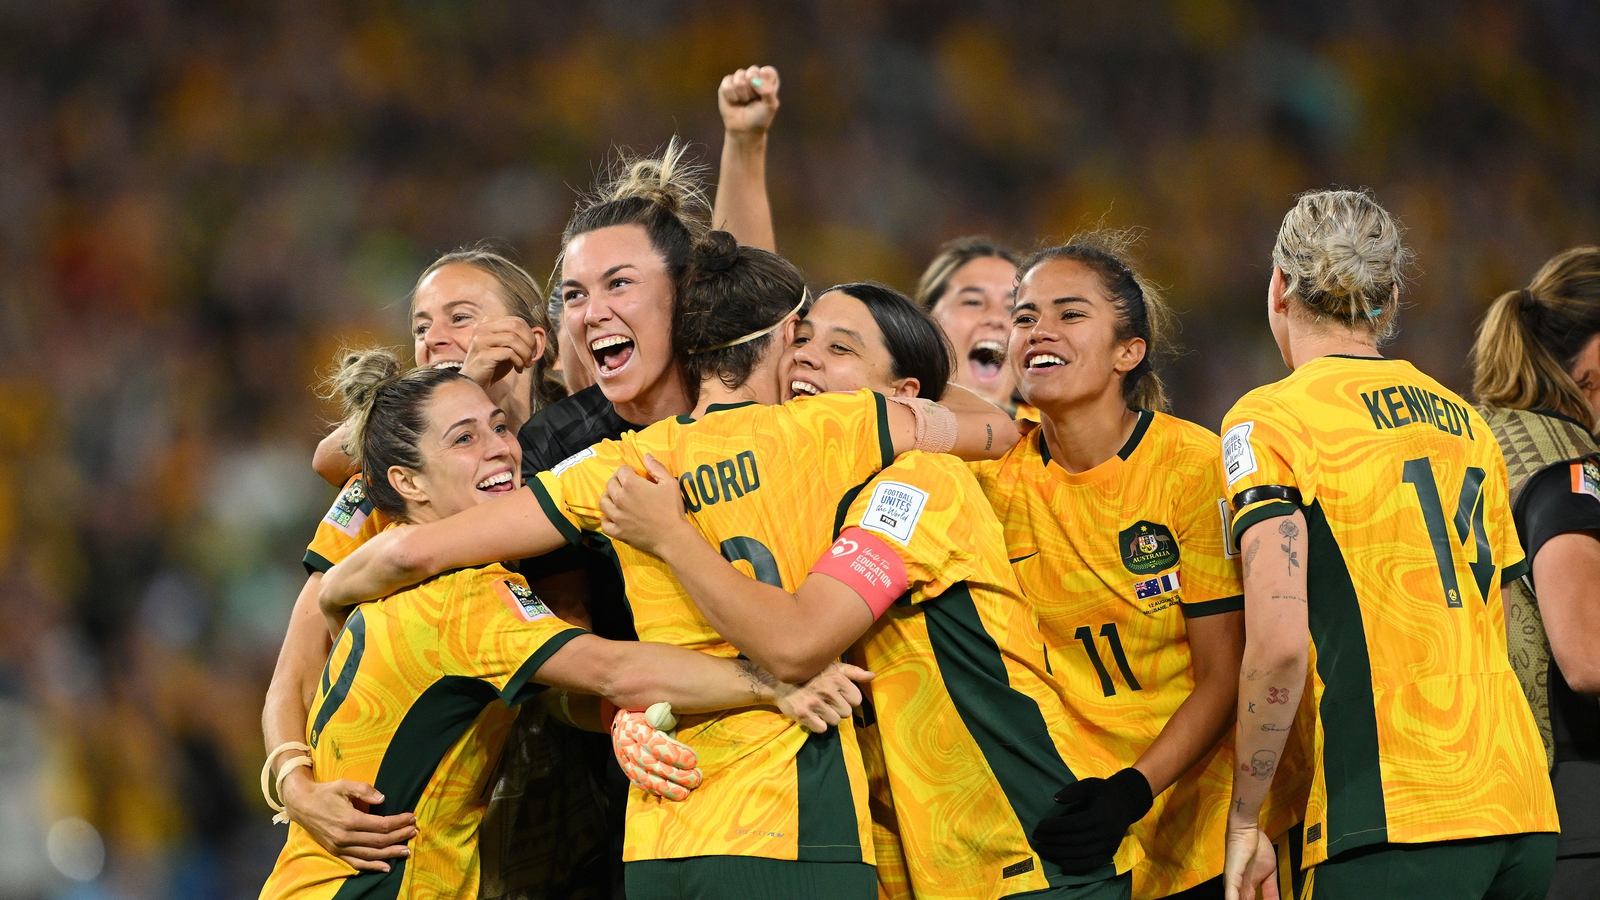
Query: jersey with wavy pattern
x=763, y=484
x=1421, y=731
x=416, y=700
x=1117, y=561
x=976, y=735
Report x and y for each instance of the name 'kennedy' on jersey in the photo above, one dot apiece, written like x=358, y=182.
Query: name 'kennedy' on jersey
x=1405, y=404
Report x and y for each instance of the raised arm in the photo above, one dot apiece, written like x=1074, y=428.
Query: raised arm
x=513, y=527
x=330, y=461
x=748, y=101
x=792, y=635
x=1271, y=678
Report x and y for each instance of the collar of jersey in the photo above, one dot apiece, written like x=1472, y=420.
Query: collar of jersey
x=687, y=419
x=1105, y=470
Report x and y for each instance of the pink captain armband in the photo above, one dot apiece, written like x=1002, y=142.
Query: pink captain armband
x=867, y=565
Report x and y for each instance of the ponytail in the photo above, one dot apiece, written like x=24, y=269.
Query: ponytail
x=1525, y=349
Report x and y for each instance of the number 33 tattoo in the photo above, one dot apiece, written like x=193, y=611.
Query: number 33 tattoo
x=1277, y=695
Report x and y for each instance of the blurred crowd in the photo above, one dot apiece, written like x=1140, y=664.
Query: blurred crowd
x=200, y=201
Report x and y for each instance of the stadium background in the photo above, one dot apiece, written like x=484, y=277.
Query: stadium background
x=198, y=202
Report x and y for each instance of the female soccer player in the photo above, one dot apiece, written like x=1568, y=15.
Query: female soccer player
x=975, y=737
x=1114, y=524
x=968, y=290
x=739, y=310
x=475, y=311
x=1537, y=378
x=1371, y=503
x=408, y=699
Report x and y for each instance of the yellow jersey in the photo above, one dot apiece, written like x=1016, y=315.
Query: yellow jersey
x=762, y=483
x=416, y=700
x=1116, y=560
x=976, y=736
x=350, y=522
x=1421, y=731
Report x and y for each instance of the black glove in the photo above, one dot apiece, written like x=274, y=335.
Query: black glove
x=1089, y=820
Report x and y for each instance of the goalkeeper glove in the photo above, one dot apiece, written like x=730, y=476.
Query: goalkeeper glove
x=656, y=763
x=1090, y=818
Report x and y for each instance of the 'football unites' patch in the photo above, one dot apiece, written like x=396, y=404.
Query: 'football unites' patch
x=894, y=510
x=1238, y=460
x=1147, y=548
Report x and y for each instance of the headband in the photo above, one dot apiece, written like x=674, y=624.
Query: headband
x=1528, y=300
x=805, y=295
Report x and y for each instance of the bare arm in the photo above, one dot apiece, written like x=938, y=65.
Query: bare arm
x=330, y=460
x=513, y=527
x=983, y=430
x=634, y=674
x=792, y=635
x=326, y=810
x=1272, y=676
x=1216, y=646
x=1566, y=570
x=748, y=101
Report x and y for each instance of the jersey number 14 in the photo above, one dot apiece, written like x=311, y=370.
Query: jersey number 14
x=1468, y=521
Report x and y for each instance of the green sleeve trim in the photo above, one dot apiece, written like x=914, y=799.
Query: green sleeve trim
x=1261, y=513
x=521, y=687
x=1512, y=573
x=554, y=514
x=885, y=439
x=315, y=562
x=1212, y=607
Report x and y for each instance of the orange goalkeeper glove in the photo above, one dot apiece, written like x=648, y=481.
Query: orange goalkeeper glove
x=656, y=763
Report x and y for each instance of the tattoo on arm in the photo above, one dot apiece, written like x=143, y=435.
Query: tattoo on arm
x=1289, y=596
x=755, y=676
x=1254, y=675
x=1252, y=704
x=1238, y=804
x=1277, y=695
x=1290, y=531
x=988, y=441
x=1268, y=726
x=1250, y=555
x=1261, y=765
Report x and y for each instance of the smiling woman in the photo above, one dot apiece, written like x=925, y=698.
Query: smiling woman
x=1102, y=503
x=967, y=288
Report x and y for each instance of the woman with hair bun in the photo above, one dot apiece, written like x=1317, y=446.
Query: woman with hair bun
x=1373, y=511
x=1536, y=374
x=762, y=480
x=1113, y=522
x=417, y=694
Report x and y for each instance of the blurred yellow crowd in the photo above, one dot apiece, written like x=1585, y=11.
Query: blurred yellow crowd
x=199, y=202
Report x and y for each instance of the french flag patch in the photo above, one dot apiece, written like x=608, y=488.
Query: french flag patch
x=1155, y=587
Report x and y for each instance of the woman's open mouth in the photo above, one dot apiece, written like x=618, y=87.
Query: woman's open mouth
x=803, y=388
x=499, y=483
x=986, y=359
x=611, y=353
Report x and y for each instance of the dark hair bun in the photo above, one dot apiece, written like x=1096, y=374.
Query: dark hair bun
x=716, y=252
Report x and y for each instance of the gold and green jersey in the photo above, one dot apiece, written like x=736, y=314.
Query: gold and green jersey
x=763, y=484
x=350, y=522
x=1116, y=561
x=976, y=736
x=1421, y=731
x=416, y=700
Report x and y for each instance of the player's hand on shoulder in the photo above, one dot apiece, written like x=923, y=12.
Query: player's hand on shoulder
x=335, y=814
x=748, y=100
x=826, y=699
